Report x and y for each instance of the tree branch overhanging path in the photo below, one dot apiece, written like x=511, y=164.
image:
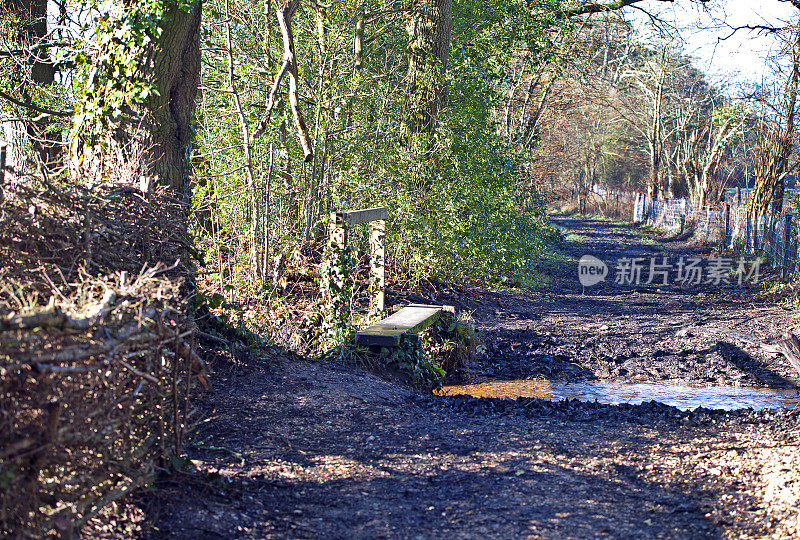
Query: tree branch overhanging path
x=285, y=14
x=589, y=9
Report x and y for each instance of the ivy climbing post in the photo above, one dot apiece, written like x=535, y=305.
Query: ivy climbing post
x=334, y=286
x=788, y=259
x=377, y=260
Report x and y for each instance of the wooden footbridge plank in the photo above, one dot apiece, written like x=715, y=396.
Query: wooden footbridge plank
x=357, y=217
x=411, y=319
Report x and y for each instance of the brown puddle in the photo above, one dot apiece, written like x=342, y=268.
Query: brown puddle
x=614, y=393
x=537, y=388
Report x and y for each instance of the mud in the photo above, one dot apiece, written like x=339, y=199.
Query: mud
x=295, y=449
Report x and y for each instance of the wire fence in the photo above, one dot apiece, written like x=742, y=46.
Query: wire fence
x=729, y=224
x=609, y=202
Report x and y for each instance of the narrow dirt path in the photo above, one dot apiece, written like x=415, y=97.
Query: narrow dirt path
x=680, y=334
x=306, y=450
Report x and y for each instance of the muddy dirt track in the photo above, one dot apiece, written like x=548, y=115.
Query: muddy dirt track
x=692, y=334
x=305, y=450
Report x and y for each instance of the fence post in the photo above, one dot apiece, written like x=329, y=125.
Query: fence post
x=643, y=212
x=775, y=240
x=772, y=230
x=640, y=216
x=787, y=240
x=727, y=231
x=335, y=282
x=747, y=232
x=640, y=206
x=756, y=224
x=3, y=150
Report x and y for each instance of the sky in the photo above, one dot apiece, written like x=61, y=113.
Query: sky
x=740, y=58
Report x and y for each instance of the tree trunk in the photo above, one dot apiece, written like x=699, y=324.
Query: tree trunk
x=358, y=41
x=656, y=142
x=429, y=27
x=34, y=70
x=32, y=18
x=655, y=168
x=285, y=14
x=148, y=143
x=773, y=157
x=15, y=135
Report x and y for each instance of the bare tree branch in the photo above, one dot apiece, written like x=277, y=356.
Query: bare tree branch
x=589, y=9
x=34, y=107
x=262, y=126
x=285, y=14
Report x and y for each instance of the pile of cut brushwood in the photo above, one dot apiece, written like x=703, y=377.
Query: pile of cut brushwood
x=97, y=358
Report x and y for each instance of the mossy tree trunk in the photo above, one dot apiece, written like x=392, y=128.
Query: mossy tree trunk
x=32, y=67
x=148, y=144
x=429, y=28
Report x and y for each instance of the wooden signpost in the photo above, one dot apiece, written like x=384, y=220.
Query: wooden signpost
x=376, y=217
x=409, y=320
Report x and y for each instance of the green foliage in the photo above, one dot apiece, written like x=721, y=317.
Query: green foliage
x=335, y=292
x=412, y=359
x=452, y=342
x=460, y=206
x=214, y=316
x=472, y=222
x=728, y=113
x=114, y=73
x=455, y=208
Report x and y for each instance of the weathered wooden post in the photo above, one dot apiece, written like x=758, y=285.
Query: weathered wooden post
x=788, y=258
x=756, y=224
x=643, y=212
x=335, y=293
x=761, y=232
x=643, y=217
x=377, y=264
x=642, y=208
x=767, y=237
x=773, y=232
x=337, y=229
